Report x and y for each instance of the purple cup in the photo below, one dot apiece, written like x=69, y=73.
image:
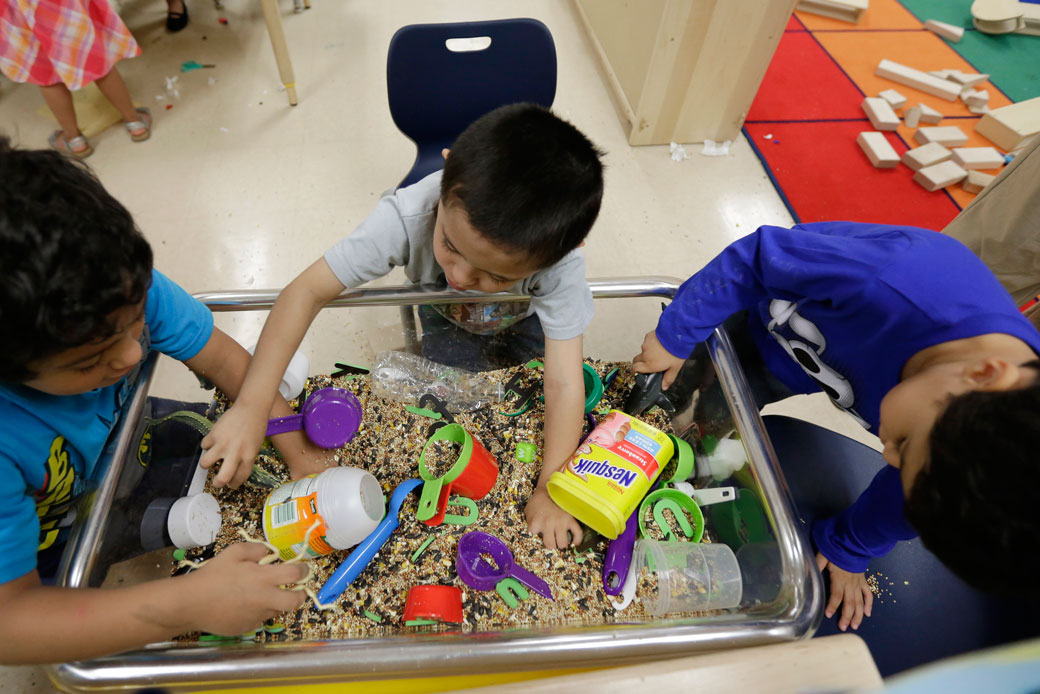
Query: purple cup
x=331, y=417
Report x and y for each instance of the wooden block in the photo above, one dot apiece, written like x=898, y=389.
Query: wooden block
x=977, y=98
x=947, y=31
x=928, y=155
x=912, y=116
x=997, y=16
x=911, y=77
x=845, y=10
x=941, y=74
x=929, y=115
x=1007, y=127
x=938, y=176
x=947, y=135
x=976, y=181
x=878, y=150
x=978, y=157
x=967, y=79
x=881, y=115
x=980, y=110
x=1030, y=19
x=894, y=98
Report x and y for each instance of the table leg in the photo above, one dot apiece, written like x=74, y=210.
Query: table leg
x=281, y=49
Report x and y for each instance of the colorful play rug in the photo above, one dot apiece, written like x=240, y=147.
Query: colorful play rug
x=806, y=116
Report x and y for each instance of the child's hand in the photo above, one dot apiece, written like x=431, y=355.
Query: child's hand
x=233, y=593
x=550, y=521
x=235, y=440
x=848, y=590
x=654, y=358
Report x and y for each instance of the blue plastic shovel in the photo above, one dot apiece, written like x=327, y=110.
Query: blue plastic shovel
x=354, y=564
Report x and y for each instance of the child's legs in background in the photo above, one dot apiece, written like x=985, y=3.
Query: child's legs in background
x=446, y=343
x=59, y=101
x=114, y=89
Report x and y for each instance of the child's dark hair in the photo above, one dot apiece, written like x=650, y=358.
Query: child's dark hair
x=527, y=180
x=70, y=255
x=975, y=503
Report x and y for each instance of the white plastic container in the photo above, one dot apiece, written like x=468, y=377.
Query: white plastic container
x=690, y=576
x=343, y=505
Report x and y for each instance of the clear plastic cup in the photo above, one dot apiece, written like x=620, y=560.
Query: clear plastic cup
x=690, y=576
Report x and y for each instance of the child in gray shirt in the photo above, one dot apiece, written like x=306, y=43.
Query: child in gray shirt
x=519, y=192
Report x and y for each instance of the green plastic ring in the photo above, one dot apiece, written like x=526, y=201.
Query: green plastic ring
x=673, y=498
x=593, y=388
x=683, y=458
x=509, y=589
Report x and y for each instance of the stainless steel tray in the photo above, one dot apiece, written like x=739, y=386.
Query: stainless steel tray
x=794, y=613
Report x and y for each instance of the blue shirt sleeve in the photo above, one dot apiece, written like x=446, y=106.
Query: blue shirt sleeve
x=869, y=528
x=811, y=260
x=19, y=526
x=179, y=324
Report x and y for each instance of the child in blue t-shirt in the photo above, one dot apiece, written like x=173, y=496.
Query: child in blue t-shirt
x=81, y=306
x=909, y=333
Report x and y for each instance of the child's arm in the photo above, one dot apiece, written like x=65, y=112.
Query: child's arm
x=822, y=261
x=225, y=362
x=231, y=594
x=238, y=434
x=564, y=386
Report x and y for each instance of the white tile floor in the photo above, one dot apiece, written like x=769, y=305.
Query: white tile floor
x=237, y=190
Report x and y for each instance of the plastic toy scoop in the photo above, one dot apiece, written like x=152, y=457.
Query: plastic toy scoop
x=330, y=417
x=472, y=475
x=679, y=504
x=354, y=564
x=477, y=572
x=646, y=393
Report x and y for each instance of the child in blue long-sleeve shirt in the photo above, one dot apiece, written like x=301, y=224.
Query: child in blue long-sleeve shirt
x=908, y=332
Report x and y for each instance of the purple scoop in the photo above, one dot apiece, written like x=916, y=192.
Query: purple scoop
x=330, y=417
x=476, y=572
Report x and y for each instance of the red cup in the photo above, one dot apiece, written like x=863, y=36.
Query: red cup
x=474, y=481
x=443, y=603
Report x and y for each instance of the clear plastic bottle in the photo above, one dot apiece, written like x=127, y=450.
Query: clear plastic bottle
x=407, y=377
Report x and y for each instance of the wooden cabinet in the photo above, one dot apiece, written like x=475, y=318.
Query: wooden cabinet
x=684, y=70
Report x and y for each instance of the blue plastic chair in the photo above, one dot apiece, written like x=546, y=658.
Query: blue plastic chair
x=926, y=613
x=439, y=79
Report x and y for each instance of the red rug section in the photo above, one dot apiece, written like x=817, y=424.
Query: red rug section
x=813, y=111
x=803, y=83
x=825, y=176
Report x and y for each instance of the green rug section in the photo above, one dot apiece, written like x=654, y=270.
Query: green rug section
x=1012, y=60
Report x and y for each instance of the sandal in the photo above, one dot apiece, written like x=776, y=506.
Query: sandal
x=77, y=147
x=140, y=130
x=175, y=21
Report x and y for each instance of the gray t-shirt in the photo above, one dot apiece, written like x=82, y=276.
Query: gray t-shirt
x=399, y=232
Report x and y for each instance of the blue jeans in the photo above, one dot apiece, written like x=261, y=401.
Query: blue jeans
x=447, y=343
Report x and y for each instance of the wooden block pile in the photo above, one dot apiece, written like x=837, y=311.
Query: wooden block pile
x=942, y=160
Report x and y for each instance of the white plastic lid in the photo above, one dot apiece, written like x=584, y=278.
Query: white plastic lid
x=351, y=502
x=194, y=521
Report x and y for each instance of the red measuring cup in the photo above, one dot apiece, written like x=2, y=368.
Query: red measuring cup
x=472, y=475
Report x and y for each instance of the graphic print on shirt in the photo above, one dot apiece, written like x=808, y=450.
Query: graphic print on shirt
x=54, y=498
x=807, y=352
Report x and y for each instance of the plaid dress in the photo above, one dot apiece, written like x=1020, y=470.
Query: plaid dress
x=45, y=42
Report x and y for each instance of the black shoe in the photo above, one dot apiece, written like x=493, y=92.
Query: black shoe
x=175, y=21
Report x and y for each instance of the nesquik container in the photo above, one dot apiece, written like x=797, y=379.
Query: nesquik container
x=611, y=472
